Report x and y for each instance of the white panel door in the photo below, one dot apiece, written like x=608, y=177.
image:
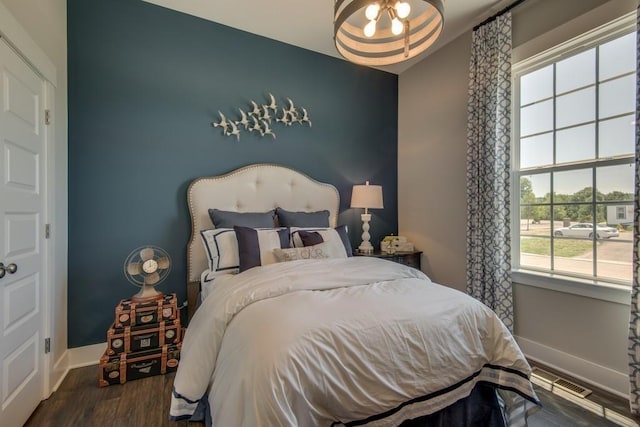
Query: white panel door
x=22, y=151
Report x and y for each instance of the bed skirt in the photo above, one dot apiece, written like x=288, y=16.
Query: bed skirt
x=486, y=406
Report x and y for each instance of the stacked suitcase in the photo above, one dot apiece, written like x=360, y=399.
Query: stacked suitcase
x=144, y=340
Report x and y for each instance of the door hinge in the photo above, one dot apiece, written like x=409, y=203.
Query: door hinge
x=47, y=345
x=47, y=117
x=47, y=231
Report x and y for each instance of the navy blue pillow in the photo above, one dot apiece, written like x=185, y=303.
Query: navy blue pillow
x=229, y=219
x=255, y=247
x=310, y=238
x=343, y=232
x=302, y=219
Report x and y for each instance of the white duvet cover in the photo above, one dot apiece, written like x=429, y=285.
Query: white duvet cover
x=317, y=342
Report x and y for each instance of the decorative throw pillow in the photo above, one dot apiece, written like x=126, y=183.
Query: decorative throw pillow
x=302, y=219
x=310, y=238
x=229, y=219
x=338, y=236
x=255, y=247
x=309, y=252
x=221, y=247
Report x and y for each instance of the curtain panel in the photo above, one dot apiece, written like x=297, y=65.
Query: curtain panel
x=488, y=168
x=634, y=319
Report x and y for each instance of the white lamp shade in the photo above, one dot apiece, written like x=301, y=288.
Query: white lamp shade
x=367, y=196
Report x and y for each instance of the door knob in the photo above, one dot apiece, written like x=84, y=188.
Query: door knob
x=11, y=268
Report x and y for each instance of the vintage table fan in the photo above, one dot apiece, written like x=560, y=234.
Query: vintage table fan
x=146, y=267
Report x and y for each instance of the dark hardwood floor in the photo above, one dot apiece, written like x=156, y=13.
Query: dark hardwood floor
x=142, y=403
x=80, y=402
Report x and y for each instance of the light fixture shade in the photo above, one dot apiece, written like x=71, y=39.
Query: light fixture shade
x=367, y=196
x=422, y=28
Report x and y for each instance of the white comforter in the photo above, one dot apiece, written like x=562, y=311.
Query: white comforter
x=315, y=342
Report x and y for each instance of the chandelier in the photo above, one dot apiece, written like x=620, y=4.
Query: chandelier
x=386, y=32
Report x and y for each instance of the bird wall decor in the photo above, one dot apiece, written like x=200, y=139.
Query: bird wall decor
x=259, y=118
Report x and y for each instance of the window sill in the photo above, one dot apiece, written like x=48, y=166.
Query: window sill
x=619, y=294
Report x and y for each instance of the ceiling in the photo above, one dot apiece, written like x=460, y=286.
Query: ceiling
x=309, y=23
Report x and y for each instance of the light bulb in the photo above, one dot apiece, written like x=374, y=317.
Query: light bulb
x=396, y=26
x=403, y=9
x=370, y=28
x=371, y=12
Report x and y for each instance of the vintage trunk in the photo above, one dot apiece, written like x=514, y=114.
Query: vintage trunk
x=129, y=313
x=123, y=367
x=143, y=337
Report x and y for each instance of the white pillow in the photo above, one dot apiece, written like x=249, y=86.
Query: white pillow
x=329, y=236
x=318, y=251
x=221, y=247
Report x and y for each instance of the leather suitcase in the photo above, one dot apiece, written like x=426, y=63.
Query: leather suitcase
x=143, y=337
x=123, y=367
x=129, y=313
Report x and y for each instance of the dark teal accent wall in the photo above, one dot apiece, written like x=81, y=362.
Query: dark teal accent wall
x=144, y=85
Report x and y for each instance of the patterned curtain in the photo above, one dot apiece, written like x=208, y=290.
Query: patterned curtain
x=488, y=169
x=634, y=322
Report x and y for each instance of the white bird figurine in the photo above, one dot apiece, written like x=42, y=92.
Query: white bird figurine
x=285, y=117
x=265, y=113
x=293, y=113
x=292, y=108
x=223, y=123
x=243, y=121
x=273, y=104
x=256, y=109
x=305, y=117
x=256, y=126
x=267, y=130
x=234, y=130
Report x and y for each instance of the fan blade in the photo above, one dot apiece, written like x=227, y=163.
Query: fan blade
x=146, y=254
x=134, y=268
x=163, y=263
x=152, y=279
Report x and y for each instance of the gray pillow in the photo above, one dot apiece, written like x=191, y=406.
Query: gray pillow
x=229, y=219
x=302, y=219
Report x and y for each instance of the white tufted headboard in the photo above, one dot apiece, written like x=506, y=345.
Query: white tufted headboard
x=254, y=188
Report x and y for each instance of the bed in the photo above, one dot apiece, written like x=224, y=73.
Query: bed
x=306, y=335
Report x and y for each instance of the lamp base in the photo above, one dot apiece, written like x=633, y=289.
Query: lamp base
x=365, y=248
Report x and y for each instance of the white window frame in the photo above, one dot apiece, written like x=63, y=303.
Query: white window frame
x=588, y=287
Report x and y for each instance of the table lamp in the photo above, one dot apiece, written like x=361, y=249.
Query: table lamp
x=367, y=197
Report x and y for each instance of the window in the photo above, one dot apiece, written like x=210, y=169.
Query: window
x=574, y=158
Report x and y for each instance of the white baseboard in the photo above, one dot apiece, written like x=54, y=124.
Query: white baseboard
x=591, y=373
x=60, y=370
x=86, y=356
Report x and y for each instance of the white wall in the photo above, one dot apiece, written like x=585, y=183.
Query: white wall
x=583, y=336
x=46, y=23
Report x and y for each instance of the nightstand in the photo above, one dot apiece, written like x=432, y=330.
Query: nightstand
x=411, y=259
